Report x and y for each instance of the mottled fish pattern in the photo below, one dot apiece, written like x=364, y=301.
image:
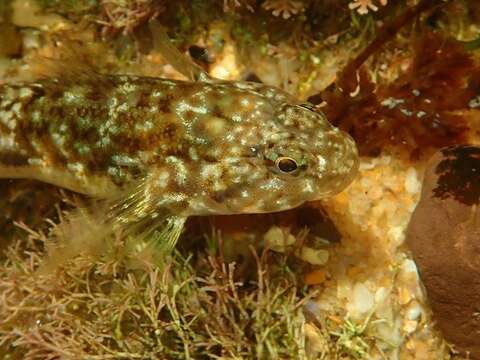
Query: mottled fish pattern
x=156, y=151
x=201, y=148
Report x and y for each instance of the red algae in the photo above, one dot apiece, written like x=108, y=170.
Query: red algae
x=422, y=109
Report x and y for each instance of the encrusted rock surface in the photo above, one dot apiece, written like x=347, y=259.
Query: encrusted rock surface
x=444, y=237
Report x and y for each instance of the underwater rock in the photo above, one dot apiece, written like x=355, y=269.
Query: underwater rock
x=444, y=237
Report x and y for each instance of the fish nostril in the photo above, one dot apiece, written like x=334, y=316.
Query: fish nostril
x=219, y=196
x=256, y=151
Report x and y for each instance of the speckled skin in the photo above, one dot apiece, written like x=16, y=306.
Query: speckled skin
x=197, y=148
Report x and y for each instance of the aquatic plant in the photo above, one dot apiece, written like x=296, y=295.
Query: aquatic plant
x=364, y=6
x=412, y=112
x=119, y=306
x=284, y=8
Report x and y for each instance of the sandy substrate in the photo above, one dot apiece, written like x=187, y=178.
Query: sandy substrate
x=373, y=279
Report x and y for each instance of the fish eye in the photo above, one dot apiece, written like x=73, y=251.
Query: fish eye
x=286, y=164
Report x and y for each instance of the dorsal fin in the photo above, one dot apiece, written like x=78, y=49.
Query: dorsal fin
x=174, y=57
x=71, y=61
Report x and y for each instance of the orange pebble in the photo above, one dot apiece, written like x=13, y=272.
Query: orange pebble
x=354, y=271
x=315, y=277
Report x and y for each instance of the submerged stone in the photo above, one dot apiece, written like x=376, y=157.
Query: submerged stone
x=444, y=237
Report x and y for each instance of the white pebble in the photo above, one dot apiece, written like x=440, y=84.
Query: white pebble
x=313, y=256
x=278, y=239
x=414, y=311
x=410, y=326
x=380, y=295
x=408, y=266
x=363, y=299
x=412, y=184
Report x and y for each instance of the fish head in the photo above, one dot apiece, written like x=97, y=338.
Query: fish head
x=291, y=157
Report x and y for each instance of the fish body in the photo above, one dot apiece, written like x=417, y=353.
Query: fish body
x=195, y=148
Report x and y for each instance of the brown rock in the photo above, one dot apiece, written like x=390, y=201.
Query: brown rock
x=444, y=237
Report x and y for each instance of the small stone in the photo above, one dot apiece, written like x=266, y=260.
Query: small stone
x=414, y=311
x=380, y=295
x=315, y=277
x=410, y=326
x=412, y=184
x=313, y=256
x=316, y=343
x=278, y=239
x=363, y=299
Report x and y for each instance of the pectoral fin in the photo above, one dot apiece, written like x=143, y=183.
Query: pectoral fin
x=134, y=216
